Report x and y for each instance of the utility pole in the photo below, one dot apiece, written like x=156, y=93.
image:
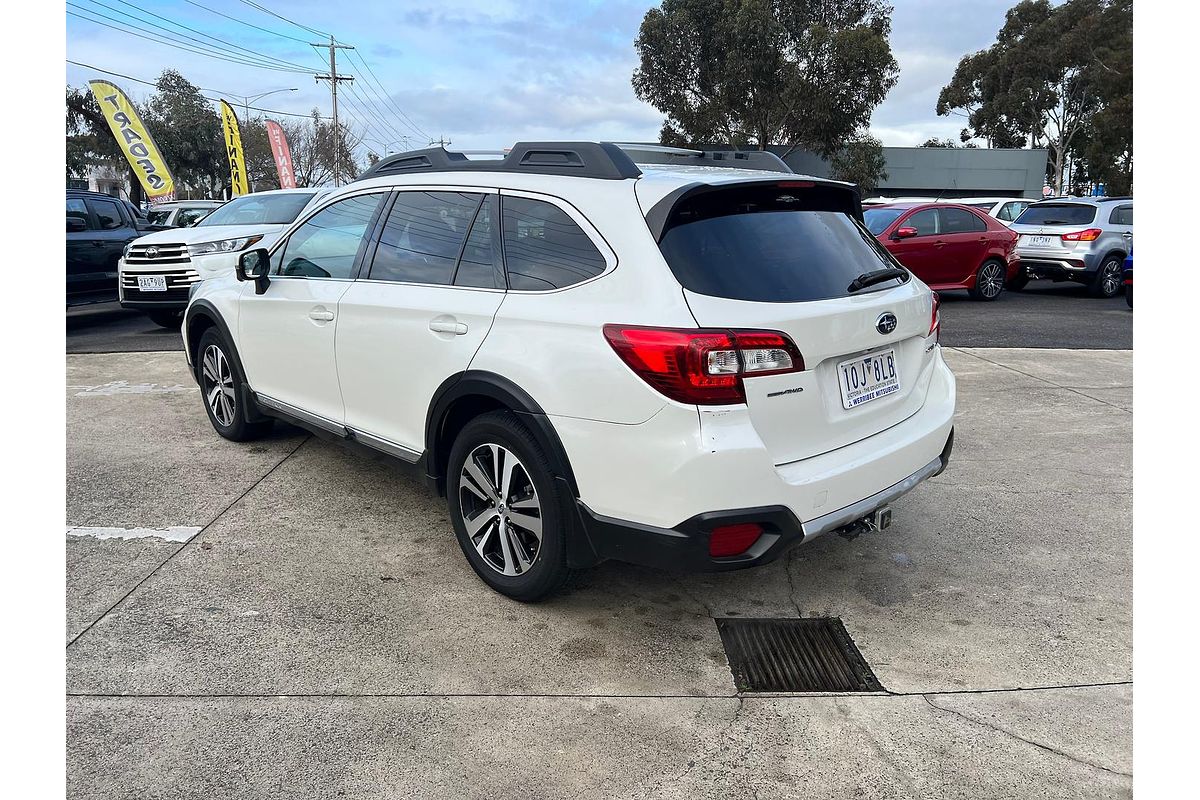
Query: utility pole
x=334, y=79
x=441, y=141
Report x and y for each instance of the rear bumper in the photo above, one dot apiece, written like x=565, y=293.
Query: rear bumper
x=1072, y=266
x=685, y=547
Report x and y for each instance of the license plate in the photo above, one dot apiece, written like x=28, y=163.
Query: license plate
x=1042, y=241
x=868, y=378
x=152, y=283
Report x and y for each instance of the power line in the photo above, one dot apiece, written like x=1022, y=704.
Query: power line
x=404, y=117
x=266, y=10
x=243, y=22
x=201, y=88
x=174, y=44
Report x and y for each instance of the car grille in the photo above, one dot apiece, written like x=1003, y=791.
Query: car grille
x=158, y=254
x=179, y=284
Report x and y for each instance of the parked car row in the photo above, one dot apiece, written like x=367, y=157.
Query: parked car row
x=962, y=246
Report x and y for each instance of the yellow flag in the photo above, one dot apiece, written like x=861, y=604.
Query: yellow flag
x=233, y=146
x=135, y=141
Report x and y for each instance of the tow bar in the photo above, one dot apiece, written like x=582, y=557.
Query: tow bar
x=877, y=520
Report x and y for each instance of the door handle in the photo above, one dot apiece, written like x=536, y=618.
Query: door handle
x=97, y=243
x=321, y=315
x=939, y=243
x=447, y=326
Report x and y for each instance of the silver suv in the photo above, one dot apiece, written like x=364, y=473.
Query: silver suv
x=1079, y=239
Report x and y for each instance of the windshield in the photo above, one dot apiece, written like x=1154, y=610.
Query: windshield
x=159, y=217
x=774, y=246
x=878, y=219
x=259, y=209
x=1057, y=214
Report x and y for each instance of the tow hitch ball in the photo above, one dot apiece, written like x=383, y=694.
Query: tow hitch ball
x=877, y=520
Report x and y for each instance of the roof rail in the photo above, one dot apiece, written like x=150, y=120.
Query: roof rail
x=578, y=159
x=737, y=159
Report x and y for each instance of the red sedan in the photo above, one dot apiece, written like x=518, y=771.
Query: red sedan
x=948, y=246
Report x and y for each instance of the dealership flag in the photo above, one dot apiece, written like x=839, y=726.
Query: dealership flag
x=283, y=156
x=233, y=146
x=135, y=141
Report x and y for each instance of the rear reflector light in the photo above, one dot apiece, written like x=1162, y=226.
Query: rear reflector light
x=1090, y=235
x=935, y=320
x=733, y=540
x=702, y=367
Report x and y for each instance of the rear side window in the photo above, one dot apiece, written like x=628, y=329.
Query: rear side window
x=926, y=222
x=422, y=237
x=544, y=248
x=108, y=215
x=1057, y=214
x=479, y=266
x=1010, y=211
x=77, y=210
x=955, y=220
x=768, y=245
x=1122, y=215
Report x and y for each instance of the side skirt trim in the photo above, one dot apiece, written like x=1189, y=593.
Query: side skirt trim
x=316, y=420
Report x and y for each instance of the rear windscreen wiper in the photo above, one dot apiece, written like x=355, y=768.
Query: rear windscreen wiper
x=872, y=278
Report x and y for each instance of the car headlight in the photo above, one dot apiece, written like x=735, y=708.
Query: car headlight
x=125, y=250
x=223, y=246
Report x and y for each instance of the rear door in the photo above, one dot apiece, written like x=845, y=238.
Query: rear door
x=751, y=263
x=419, y=312
x=1120, y=220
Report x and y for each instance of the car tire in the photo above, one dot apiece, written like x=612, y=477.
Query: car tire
x=221, y=383
x=989, y=280
x=1107, y=282
x=1018, y=283
x=509, y=515
x=171, y=320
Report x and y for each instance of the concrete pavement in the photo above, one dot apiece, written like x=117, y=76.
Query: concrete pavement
x=322, y=636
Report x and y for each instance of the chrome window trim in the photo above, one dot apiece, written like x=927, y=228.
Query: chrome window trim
x=591, y=231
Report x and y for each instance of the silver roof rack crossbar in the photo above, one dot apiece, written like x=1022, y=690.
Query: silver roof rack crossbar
x=738, y=159
x=577, y=159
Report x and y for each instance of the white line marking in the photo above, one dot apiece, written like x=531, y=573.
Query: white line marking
x=125, y=387
x=175, y=533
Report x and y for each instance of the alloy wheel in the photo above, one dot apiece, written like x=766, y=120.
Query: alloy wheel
x=991, y=280
x=1110, y=279
x=500, y=509
x=218, y=385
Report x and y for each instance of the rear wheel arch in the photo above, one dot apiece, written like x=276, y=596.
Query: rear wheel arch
x=467, y=395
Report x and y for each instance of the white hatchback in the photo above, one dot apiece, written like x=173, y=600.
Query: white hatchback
x=594, y=351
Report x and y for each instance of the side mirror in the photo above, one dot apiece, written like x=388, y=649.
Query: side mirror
x=904, y=233
x=76, y=225
x=254, y=265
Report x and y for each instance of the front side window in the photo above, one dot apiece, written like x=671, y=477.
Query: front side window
x=422, y=237
x=77, y=210
x=956, y=220
x=108, y=216
x=260, y=209
x=327, y=245
x=544, y=248
x=926, y=222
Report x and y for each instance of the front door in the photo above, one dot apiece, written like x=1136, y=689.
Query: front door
x=286, y=334
x=918, y=252
x=420, y=313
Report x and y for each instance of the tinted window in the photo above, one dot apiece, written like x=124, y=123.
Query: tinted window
x=878, y=219
x=1122, y=215
x=326, y=245
x=926, y=222
x=422, y=237
x=159, y=217
x=754, y=245
x=1057, y=214
x=260, y=209
x=478, y=266
x=190, y=216
x=544, y=248
x=108, y=214
x=955, y=220
x=76, y=209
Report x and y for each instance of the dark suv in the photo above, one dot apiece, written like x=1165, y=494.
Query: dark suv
x=98, y=228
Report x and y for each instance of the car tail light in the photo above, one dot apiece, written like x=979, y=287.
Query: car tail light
x=699, y=366
x=733, y=540
x=935, y=319
x=1090, y=235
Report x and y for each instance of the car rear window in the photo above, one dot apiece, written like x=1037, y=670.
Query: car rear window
x=773, y=245
x=1057, y=214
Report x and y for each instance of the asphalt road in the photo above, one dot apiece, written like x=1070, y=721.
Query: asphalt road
x=1046, y=314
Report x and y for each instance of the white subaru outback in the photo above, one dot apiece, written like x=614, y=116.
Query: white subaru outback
x=671, y=357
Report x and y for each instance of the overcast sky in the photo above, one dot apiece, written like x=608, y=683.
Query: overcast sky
x=482, y=73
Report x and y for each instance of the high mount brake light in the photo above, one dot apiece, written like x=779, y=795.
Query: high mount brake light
x=700, y=366
x=1090, y=235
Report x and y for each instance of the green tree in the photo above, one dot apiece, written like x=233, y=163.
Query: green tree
x=946, y=143
x=188, y=130
x=1052, y=73
x=90, y=142
x=750, y=73
x=860, y=161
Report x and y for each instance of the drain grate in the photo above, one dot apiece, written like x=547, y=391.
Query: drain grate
x=794, y=655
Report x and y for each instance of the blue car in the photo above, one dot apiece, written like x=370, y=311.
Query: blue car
x=1127, y=277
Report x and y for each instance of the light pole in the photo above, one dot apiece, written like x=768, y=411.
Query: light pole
x=247, y=98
